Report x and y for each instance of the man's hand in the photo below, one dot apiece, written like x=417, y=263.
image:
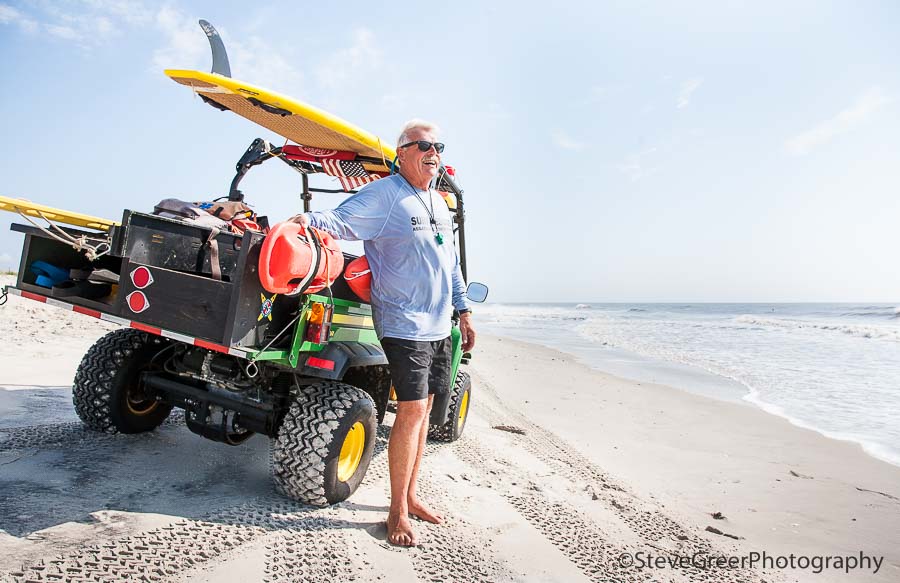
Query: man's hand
x=467, y=330
x=300, y=219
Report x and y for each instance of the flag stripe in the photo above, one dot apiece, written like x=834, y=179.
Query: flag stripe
x=350, y=174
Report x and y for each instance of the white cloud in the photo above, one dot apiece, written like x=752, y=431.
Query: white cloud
x=185, y=46
x=846, y=120
x=350, y=66
x=9, y=15
x=562, y=140
x=84, y=26
x=264, y=64
x=635, y=167
x=63, y=32
x=134, y=13
x=101, y=25
x=87, y=27
x=687, y=91
x=90, y=23
x=87, y=23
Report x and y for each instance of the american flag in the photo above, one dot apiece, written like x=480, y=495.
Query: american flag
x=350, y=174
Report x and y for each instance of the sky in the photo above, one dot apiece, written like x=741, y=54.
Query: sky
x=720, y=151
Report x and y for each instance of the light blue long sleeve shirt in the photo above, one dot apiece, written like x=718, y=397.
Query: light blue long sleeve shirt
x=416, y=281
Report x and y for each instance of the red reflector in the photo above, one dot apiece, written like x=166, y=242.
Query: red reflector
x=321, y=332
x=313, y=333
x=141, y=277
x=137, y=302
x=320, y=363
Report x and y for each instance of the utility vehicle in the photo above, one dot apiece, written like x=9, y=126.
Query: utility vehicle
x=199, y=332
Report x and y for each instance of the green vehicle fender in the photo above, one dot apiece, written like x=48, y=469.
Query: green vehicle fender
x=441, y=406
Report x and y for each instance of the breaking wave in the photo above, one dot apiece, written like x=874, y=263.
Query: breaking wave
x=890, y=332
x=828, y=367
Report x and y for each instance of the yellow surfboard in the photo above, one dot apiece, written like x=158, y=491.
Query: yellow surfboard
x=40, y=211
x=299, y=122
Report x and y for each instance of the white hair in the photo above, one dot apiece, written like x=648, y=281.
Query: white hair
x=416, y=124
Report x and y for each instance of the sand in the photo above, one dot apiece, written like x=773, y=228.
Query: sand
x=563, y=474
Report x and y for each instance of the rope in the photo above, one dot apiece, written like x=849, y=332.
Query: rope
x=93, y=252
x=381, y=151
x=327, y=279
x=300, y=313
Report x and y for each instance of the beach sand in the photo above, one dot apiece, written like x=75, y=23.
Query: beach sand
x=563, y=473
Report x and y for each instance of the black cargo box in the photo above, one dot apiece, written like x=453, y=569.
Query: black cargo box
x=165, y=278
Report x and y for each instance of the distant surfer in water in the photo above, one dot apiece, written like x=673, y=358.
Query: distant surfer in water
x=416, y=283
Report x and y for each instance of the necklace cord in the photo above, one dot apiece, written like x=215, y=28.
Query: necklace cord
x=427, y=210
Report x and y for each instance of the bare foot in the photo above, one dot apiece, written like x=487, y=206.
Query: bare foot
x=419, y=510
x=400, y=531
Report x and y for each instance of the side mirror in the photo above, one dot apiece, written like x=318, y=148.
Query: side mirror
x=477, y=292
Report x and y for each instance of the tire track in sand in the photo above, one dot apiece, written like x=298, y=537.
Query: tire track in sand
x=295, y=535
x=305, y=542
x=571, y=530
x=453, y=551
x=301, y=543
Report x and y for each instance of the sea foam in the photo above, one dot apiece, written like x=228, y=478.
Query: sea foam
x=833, y=368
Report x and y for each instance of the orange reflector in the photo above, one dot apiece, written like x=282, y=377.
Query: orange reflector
x=320, y=363
x=317, y=313
x=318, y=327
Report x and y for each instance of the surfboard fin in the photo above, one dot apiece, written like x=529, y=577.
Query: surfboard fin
x=220, y=57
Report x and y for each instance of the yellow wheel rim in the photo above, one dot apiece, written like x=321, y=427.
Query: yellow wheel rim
x=137, y=409
x=351, y=452
x=463, y=410
x=140, y=407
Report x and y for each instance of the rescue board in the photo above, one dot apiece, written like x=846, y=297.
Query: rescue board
x=299, y=122
x=40, y=211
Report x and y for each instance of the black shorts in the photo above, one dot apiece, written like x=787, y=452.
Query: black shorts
x=418, y=368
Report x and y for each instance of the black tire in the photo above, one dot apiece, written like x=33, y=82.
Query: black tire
x=107, y=392
x=307, y=461
x=460, y=403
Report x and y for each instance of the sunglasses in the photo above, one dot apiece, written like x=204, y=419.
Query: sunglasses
x=425, y=146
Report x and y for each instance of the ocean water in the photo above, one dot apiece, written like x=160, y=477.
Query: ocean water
x=833, y=368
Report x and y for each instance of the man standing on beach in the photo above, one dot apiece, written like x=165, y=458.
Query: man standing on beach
x=416, y=283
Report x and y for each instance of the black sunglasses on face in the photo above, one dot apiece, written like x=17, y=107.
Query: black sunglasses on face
x=424, y=146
